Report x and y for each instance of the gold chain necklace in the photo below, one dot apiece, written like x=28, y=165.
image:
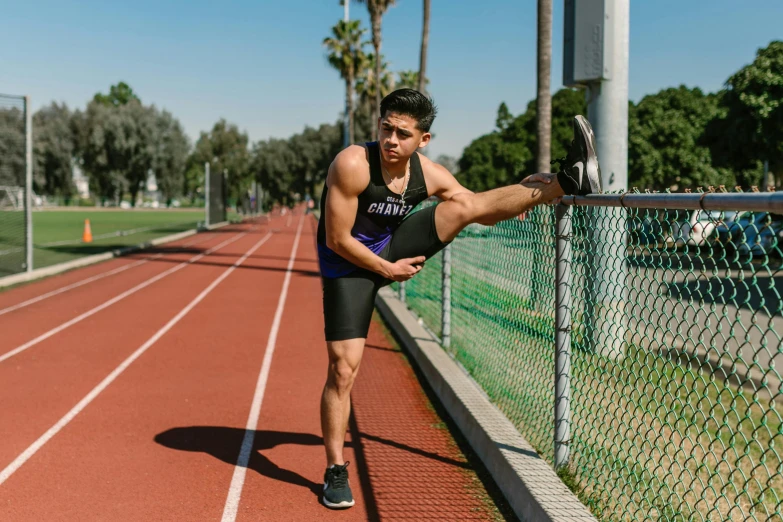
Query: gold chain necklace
x=405, y=183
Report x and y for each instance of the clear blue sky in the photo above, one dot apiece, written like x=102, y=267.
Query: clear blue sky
x=260, y=64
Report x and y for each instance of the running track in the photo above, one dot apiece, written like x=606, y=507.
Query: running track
x=184, y=384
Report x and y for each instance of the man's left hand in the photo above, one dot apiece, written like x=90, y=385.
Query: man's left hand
x=542, y=178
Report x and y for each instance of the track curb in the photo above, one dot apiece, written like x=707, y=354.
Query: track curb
x=530, y=485
x=26, y=277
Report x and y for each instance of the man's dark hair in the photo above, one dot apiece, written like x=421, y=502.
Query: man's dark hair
x=411, y=103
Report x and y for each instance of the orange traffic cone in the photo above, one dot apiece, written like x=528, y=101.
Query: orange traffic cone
x=87, y=235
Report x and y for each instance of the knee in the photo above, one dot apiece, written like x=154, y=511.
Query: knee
x=464, y=206
x=469, y=209
x=341, y=376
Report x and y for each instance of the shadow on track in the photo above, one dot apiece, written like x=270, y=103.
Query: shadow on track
x=224, y=444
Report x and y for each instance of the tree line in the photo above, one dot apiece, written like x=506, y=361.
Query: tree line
x=118, y=142
x=678, y=138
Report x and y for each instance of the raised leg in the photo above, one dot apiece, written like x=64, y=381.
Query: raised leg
x=492, y=206
x=344, y=359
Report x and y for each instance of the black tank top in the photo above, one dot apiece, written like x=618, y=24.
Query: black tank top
x=379, y=214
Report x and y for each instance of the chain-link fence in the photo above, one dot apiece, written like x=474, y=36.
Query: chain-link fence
x=15, y=243
x=646, y=367
x=215, y=186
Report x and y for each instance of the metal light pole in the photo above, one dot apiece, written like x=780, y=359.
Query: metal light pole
x=596, y=49
x=28, y=189
x=206, y=193
x=607, y=109
x=607, y=100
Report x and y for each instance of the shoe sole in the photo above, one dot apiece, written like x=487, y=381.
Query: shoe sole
x=342, y=505
x=592, y=168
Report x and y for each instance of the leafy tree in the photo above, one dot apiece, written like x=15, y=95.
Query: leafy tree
x=665, y=149
x=504, y=117
x=297, y=165
x=171, y=156
x=507, y=155
x=120, y=94
x=566, y=103
x=750, y=127
x=346, y=54
x=226, y=149
x=272, y=163
x=377, y=8
x=480, y=167
x=53, y=151
x=315, y=150
x=12, y=147
x=117, y=146
x=118, y=143
x=134, y=144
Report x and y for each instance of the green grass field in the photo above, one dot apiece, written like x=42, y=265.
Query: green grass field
x=57, y=234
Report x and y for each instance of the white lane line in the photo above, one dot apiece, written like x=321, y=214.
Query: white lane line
x=43, y=439
x=115, y=299
x=91, y=279
x=238, y=479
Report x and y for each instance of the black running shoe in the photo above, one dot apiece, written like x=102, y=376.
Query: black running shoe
x=580, y=173
x=337, y=491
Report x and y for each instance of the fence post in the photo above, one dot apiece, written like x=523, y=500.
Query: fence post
x=206, y=194
x=28, y=189
x=402, y=291
x=563, y=337
x=446, y=301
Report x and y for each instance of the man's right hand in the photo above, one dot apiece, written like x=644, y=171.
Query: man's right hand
x=404, y=269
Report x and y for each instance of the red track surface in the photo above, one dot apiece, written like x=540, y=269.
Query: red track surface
x=160, y=440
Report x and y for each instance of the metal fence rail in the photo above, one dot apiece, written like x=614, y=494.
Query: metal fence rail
x=15, y=185
x=635, y=341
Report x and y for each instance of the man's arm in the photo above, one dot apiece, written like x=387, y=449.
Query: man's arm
x=440, y=182
x=348, y=177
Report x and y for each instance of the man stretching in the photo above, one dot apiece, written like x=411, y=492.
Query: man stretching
x=365, y=240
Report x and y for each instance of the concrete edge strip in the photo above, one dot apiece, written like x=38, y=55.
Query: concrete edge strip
x=26, y=277
x=530, y=485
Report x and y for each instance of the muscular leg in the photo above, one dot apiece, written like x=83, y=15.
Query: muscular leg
x=492, y=206
x=344, y=359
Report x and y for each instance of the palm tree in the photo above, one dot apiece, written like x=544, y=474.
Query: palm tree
x=370, y=90
x=544, y=96
x=376, y=9
x=409, y=79
x=346, y=54
x=425, y=40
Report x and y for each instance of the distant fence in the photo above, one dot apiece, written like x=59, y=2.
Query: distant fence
x=15, y=185
x=215, y=188
x=635, y=341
